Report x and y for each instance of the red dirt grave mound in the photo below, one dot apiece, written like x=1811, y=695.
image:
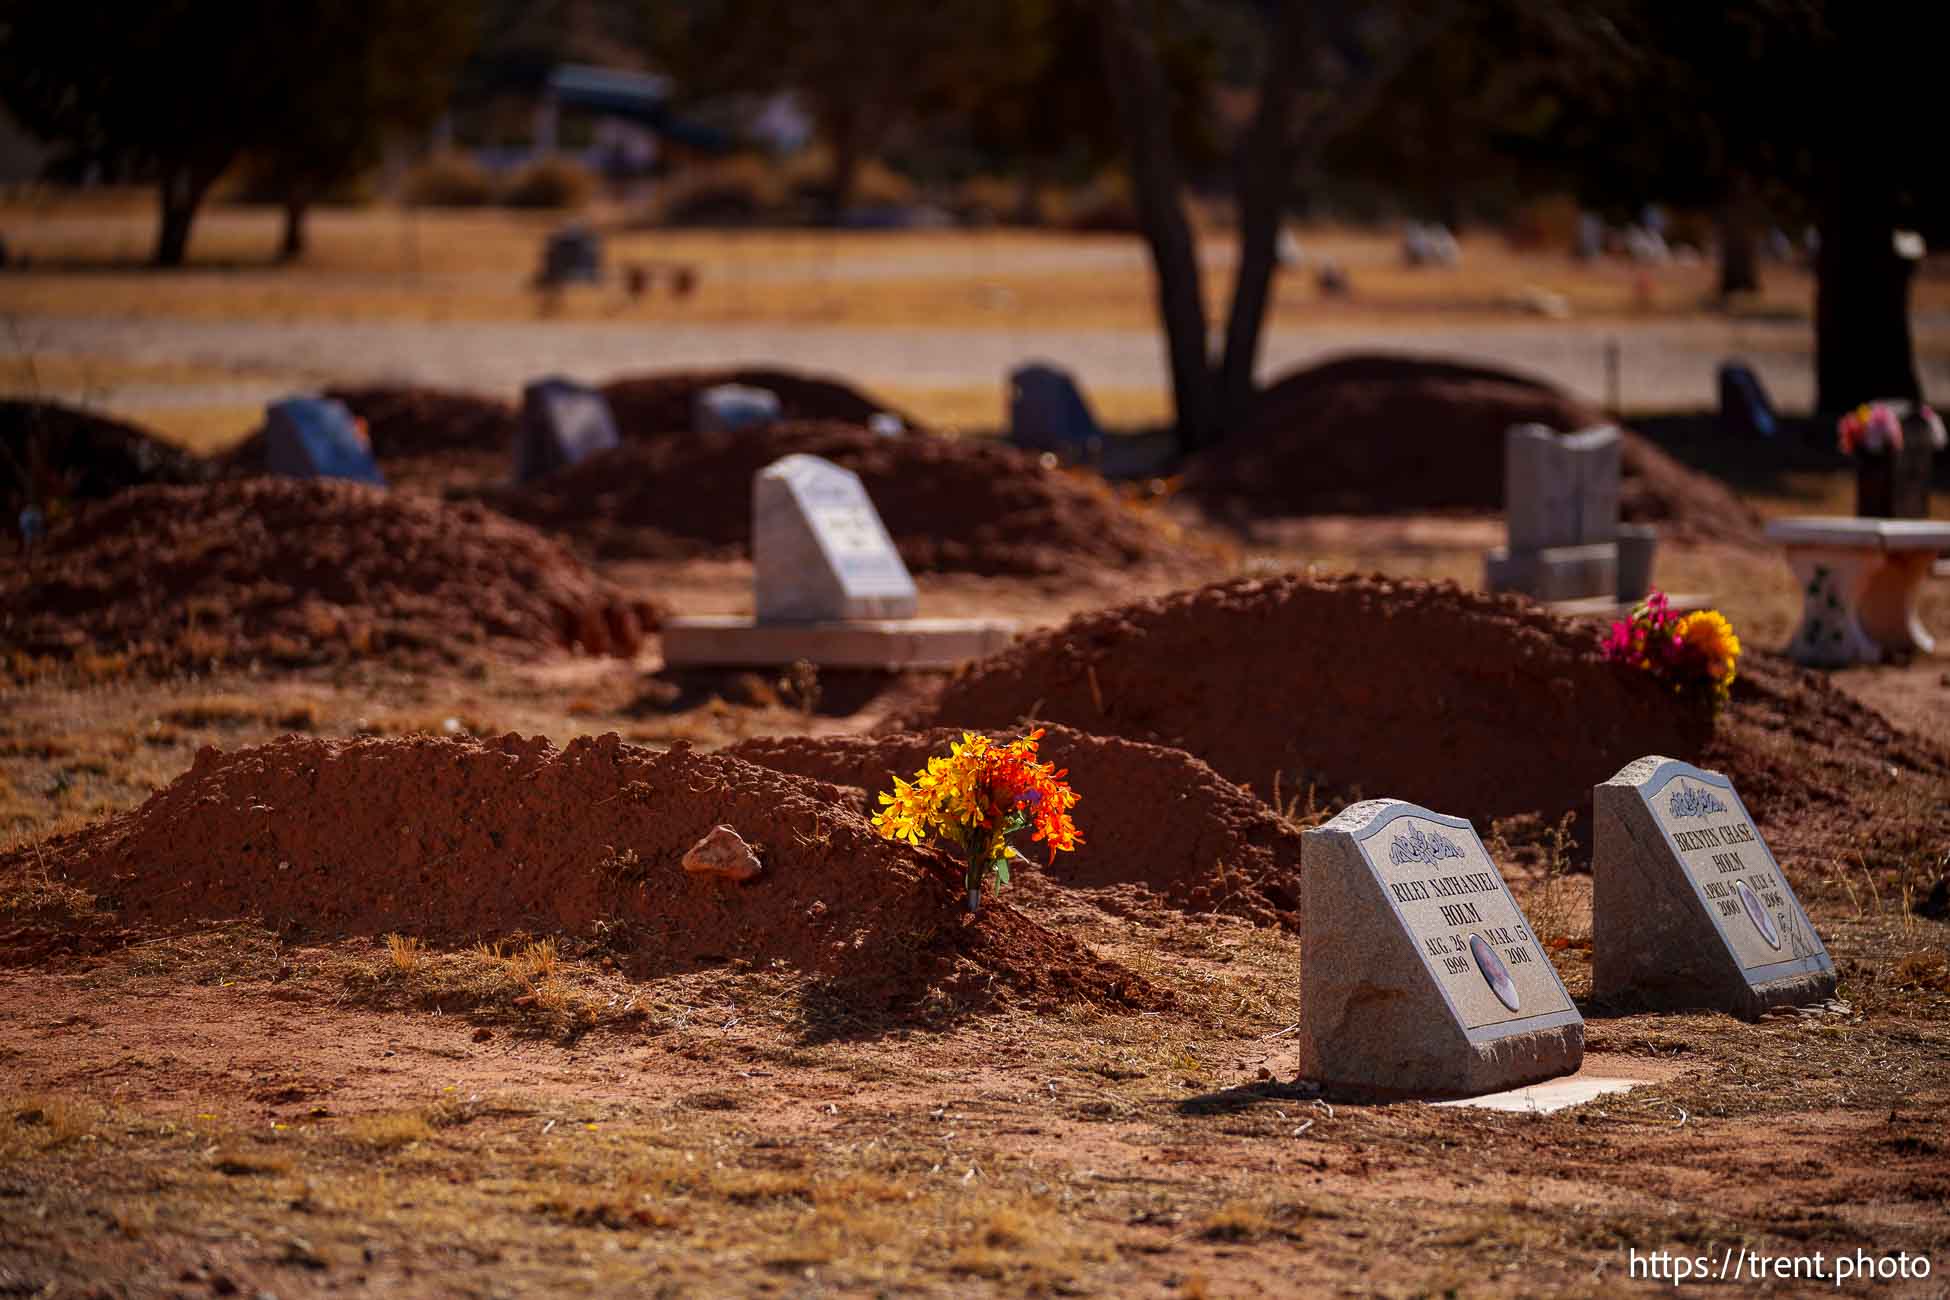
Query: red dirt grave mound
x=1375, y=434
x=951, y=504
x=646, y=406
x=50, y=453
x=1478, y=706
x=462, y=839
x=1158, y=824
x=304, y=571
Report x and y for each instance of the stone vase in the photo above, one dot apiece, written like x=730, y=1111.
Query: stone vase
x=1896, y=485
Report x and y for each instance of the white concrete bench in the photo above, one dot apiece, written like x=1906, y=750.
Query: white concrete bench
x=1859, y=582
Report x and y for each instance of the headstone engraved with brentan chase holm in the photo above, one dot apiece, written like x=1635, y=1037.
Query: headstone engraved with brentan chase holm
x=1689, y=907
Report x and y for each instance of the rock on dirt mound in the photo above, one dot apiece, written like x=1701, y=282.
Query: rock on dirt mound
x=648, y=405
x=1373, y=434
x=1158, y=824
x=951, y=504
x=303, y=571
x=462, y=839
x=53, y=453
x=1479, y=706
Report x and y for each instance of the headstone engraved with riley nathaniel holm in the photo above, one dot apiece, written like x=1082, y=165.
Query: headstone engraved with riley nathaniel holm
x=1420, y=975
x=1689, y=907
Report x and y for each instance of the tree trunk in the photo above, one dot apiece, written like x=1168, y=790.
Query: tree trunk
x=1143, y=106
x=845, y=175
x=1264, y=175
x=183, y=189
x=1863, y=348
x=1739, y=244
x=296, y=240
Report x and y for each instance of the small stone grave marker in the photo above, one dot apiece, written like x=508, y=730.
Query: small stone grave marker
x=1689, y=907
x=1047, y=412
x=727, y=408
x=317, y=437
x=1419, y=974
x=819, y=549
x=1745, y=408
x=573, y=253
x=562, y=424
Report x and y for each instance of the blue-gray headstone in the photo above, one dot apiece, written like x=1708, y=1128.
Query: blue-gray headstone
x=562, y=424
x=728, y=408
x=1744, y=405
x=572, y=253
x=316, y=437
x=1047, y=413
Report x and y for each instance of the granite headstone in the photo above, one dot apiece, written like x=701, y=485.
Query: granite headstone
x=1419, y=974
x=1047, y=412
x=727, y=408
x=1689, y=907
x=562, y=423
x=317, y=437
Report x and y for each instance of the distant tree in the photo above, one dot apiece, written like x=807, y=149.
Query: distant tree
x=172, y=90
x=177, y=91
x=372, y=68
x=1320, y=66
x=864, y=69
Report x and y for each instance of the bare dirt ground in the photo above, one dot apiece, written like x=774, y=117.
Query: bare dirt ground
x=196, y=1110
x=220, y=1108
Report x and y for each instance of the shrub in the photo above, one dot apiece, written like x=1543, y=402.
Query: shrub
x=449, y=180
x=550, y=183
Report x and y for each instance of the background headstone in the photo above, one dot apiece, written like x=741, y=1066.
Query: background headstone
x=562, y=423
x=572, y=254
x=1745, y=408
x=1419, y=975
x=1560, y=500
x=727, y=408
x=317, y=437
x=1689, y=908
x=819, y=550
x=1047, y=412
x=1561, y=490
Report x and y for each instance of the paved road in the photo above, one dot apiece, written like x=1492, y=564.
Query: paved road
x=1661, y=364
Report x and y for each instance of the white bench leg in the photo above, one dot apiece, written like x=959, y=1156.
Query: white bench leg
x=1888, y=603
x=1833, y=580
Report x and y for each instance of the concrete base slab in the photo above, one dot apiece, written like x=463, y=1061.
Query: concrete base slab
x=1554, y=572
x=724, y=641
x=1550, y=1095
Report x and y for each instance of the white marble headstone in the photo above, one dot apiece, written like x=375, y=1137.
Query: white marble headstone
x=1419, y=973
x=1689, y=907
x=819, y=549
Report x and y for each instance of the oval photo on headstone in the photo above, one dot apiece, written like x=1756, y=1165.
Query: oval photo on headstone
x=1757, y=913
x=1495, y=973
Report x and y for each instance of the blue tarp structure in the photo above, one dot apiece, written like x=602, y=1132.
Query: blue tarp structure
x=633, y=96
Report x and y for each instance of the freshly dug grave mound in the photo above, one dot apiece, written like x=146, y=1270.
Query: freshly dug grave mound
x=1474, y=705
x=951, y=505
x=1374, y=434
x=646, y=406
x=1157, y=823
x=1828, y=777
x=462, y=839
x=53, y=453
x=304, y=571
